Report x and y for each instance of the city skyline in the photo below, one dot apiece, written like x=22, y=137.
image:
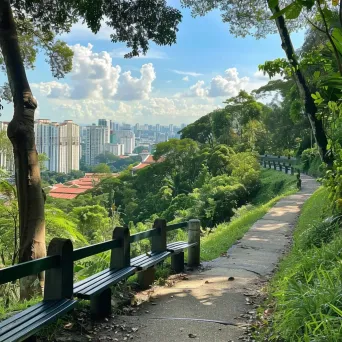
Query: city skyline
x=66, y=144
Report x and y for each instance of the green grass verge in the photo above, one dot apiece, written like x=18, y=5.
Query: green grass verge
x=273, y=183
x=306, y=292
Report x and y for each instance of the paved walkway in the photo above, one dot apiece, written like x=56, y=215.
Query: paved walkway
x=225, y=290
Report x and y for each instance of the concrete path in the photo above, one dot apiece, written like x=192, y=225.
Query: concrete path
x=225, y=290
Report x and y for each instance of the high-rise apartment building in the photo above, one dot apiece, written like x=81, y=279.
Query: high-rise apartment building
x=69, y=146
x=116, y=149
x=127, y=138
x=108, y=124
x=96, y=139
x=47, y=141
x=6, y=152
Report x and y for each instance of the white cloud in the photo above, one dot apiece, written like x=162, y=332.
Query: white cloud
x=94, y=77
x=80, y=31
x=188, y=73
x=151, y=54
x=259, y=75
x=186, y=78
x=52, y=89
x=93, y=73
x=159, y=109
x=137, y=88
x=228, y=85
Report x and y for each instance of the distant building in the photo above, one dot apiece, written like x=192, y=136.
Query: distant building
x=106, y=123
x=96, y=139
x=6, y=156
x=161, y=137
x=148, y=160
x=116, y=149
x=47, y=141
x=69, y=146
x=127, y=138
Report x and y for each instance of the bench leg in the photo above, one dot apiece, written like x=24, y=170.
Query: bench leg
x=177, y=262
x=100, y=305
x=146, y=278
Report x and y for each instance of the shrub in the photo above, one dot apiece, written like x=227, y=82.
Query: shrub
x=318, y=233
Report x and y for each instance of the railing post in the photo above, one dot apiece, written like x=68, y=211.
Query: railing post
x=194, y=235
x=100, y=305
x=158, y=244
x=265, y=164
x=159, y=241
x=292, y=170
x=59, y=281
x=274, y=165
x=280, y=167
x=120, y=256
x=286, y=168
x=269, y=164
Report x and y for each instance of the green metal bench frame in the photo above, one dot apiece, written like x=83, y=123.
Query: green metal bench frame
x=59, y=288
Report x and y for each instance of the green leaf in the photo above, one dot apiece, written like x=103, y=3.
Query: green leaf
x=280, y=13
x=293, y=11
x=273, y=3
x=333, y=82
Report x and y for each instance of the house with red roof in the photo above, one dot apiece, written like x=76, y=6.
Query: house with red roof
x=73, y=188
x=148, y=160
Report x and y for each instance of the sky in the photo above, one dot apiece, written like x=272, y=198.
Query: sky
x=174, y=84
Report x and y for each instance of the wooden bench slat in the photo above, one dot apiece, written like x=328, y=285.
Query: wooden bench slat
x=109, y=282
x=19, y=319
x=153, y=260
x=30, y=326
x=25, y=312
x=179, y=246
x=98, y=284
x=94, y=276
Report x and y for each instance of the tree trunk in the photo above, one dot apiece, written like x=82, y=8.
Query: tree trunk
x=309, y=104
x=21, y=133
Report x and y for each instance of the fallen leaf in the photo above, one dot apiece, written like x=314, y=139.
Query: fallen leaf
x=231, y=278
x=192, y=335
x=68, y=325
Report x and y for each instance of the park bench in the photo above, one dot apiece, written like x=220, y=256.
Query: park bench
x=57, y=291
x=59, y=288
x=96, y=288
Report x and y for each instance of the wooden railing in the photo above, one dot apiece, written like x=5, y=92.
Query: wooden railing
x=33, y=267
x=280, y=163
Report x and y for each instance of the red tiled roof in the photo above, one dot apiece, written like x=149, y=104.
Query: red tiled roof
x=67, y=190
x=147, y=161
x=58, y=185
x=64, y=196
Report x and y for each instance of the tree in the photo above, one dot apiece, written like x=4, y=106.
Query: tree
x=106, y=157
x=42, y=159
x=252, y=17
x=25, y=26
x=101, y=168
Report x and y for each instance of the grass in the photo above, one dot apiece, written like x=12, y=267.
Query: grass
x=306, y=292
x=273, y=183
